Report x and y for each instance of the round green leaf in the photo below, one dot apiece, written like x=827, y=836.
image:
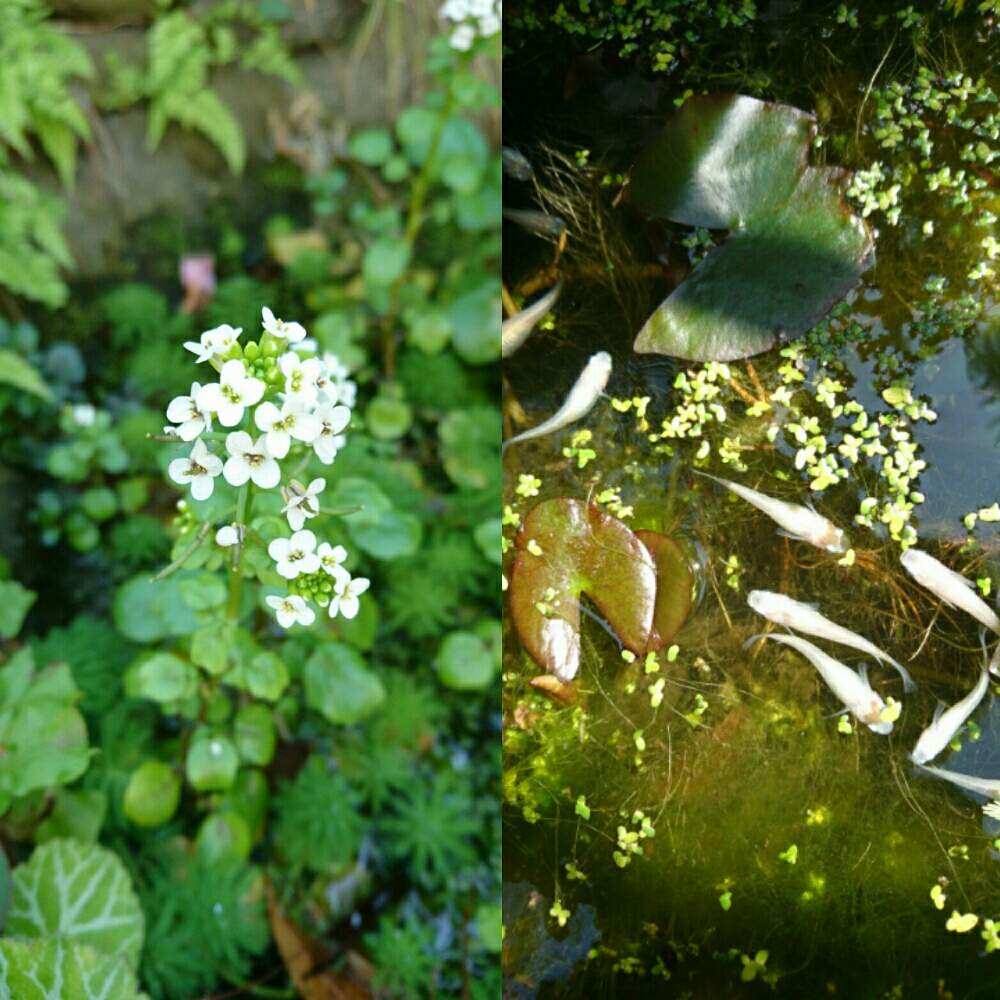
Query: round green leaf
x=340, y=686
x=371, y=146
x=253, y=730
x=465, y=662
x=212, y=762
x=161, y=677
x=385, y=261
x=224, y=835
x=152, y=794
x=388, y=418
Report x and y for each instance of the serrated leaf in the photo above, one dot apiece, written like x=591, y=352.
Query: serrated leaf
x=58, y=970
x=77, y=893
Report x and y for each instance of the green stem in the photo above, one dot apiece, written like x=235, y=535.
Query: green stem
x=243, y=504
x=414, y=222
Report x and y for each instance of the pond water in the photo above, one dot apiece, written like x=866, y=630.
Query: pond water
x=698, y=824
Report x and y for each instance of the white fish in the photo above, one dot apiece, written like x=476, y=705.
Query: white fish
x=990, y=787
x=852, y=688
x=949, y=586
x=514, y=331
x=796, y=521
x=579, y=402
x=801, y=617
x=942, y=729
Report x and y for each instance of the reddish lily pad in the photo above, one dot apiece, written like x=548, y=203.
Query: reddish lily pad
x=794, y=250
x=566, y=548
x=674, y=585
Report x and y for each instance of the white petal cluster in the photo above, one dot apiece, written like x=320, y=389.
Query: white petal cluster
x=474, y=19
x=272, y=396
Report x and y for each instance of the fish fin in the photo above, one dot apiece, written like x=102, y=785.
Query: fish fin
x=909, y=684
x=812, y=508
x=788, y=534
x=938, y=712
x=835, y=715
x=753, y=639
x=863, y=673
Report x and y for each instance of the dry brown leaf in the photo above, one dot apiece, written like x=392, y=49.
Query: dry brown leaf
x=302, y=954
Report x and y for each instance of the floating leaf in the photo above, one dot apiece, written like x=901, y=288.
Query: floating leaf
x=733, y=162
x=674, y=584
x=581, y=550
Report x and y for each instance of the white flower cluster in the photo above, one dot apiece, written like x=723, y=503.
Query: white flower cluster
x=473, y=19
x=273, y=397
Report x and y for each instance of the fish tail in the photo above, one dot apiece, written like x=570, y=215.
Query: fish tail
x=909, y=685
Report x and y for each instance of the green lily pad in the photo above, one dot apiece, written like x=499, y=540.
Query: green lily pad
x=794, y=250
x=674, y=585
x=566, y=548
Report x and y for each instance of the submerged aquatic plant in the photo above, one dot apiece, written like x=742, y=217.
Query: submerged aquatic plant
x=732, y=162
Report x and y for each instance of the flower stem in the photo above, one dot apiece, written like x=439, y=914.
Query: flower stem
x=243, y=504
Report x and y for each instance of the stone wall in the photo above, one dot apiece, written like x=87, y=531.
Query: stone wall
x=360, y=62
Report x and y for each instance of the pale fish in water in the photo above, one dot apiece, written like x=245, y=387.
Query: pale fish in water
x=515, y=331
x=801, y=617
x=851, y=687
x=796, y=521
x=579, y=402
x=949, y=586
x=990, y=787
x=947, y=722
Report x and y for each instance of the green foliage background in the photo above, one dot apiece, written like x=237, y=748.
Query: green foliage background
x=364, y=791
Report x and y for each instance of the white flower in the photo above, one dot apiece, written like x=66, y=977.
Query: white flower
x=214, y=342
x=291, y=610
x=335, y=381
x=332, y=420
x=229, y=534
x=292, y=332
x=249, y=459
x=199, y=469
x=330, y=559
x=295, y=555
x=84, y=415
x=230, y=397
x=291, y=421
x=302, y=503
x=346, y=593
x=184, y=410
x=300, y=377
x=463, y=37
